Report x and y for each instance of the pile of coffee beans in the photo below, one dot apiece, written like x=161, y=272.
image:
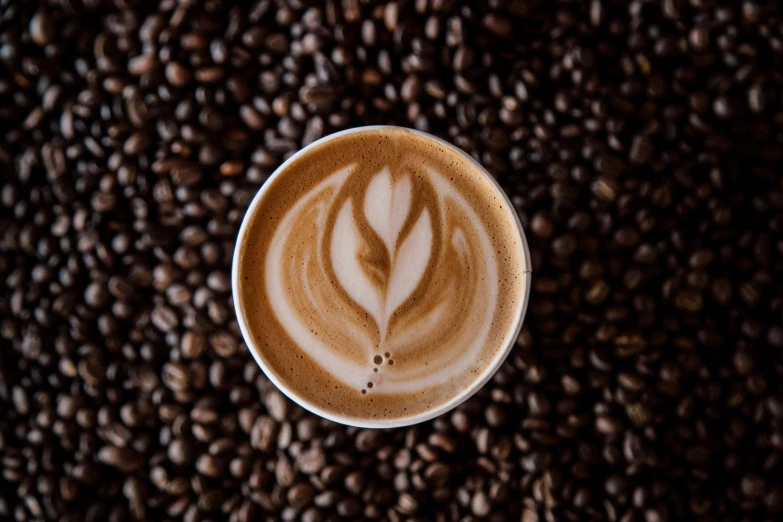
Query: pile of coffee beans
x=641, y=142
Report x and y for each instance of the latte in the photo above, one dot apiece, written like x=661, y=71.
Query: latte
x=380, y=274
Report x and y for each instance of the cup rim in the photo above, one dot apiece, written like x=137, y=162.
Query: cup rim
x=488, y=372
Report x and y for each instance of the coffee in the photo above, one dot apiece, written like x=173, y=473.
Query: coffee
x=381, y=274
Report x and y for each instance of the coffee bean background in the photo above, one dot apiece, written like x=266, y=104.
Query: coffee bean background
x=641, y=143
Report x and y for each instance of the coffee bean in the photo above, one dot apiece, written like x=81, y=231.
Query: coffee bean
x=497, y=24
x=654, y=515
x=300, y=495
x=126, y=367
x=96, y=295
x=277, y=405
x=626, y=237
x=609, y=165
x=142, y=64
x=177, y=74
x=407, y=504
x=348, y=507
x=367, y=440
x=608, y=426
x=123, y=459
x=564, y=245
x=264, y=433
x=164, y=318
x=41, y=28
x=541, y=225
x=311, y=461
x=210, y=466
x=630, y=381
x=641, y=150
x=179, y=452
x=604, y=189
x=480, y=504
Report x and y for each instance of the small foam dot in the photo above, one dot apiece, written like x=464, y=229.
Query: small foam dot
x=378, y=359
x=375, y=370
x=369, y=385
x=391, y=362
x=364, y=391
x=387, y=354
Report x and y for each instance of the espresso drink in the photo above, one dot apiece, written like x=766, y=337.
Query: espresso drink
x=381, y=274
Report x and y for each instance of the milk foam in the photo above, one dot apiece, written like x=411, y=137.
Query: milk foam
x=305, y=297
x=381, y=274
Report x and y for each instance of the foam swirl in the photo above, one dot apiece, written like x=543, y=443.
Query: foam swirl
x=364, y=266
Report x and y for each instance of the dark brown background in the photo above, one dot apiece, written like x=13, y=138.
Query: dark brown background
x=641, y=143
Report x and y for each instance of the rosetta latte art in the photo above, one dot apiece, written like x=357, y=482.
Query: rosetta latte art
x=389, y=282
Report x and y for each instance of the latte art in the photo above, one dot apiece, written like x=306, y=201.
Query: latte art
x=379, y=244
x=381, y=274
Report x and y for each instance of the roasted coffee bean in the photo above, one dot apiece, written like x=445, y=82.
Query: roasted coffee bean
x=133, y=140
x=41, y=28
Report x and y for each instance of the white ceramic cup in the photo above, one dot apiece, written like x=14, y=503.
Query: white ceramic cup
x=465, y=394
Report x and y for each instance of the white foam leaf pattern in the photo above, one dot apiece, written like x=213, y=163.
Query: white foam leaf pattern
x=345, y=261
x=307, y=304
x=386, y=206
x=409, y=264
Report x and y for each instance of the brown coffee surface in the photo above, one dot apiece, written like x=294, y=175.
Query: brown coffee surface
x=381, y=274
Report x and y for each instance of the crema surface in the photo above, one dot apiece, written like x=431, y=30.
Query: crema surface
x=381, y=274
